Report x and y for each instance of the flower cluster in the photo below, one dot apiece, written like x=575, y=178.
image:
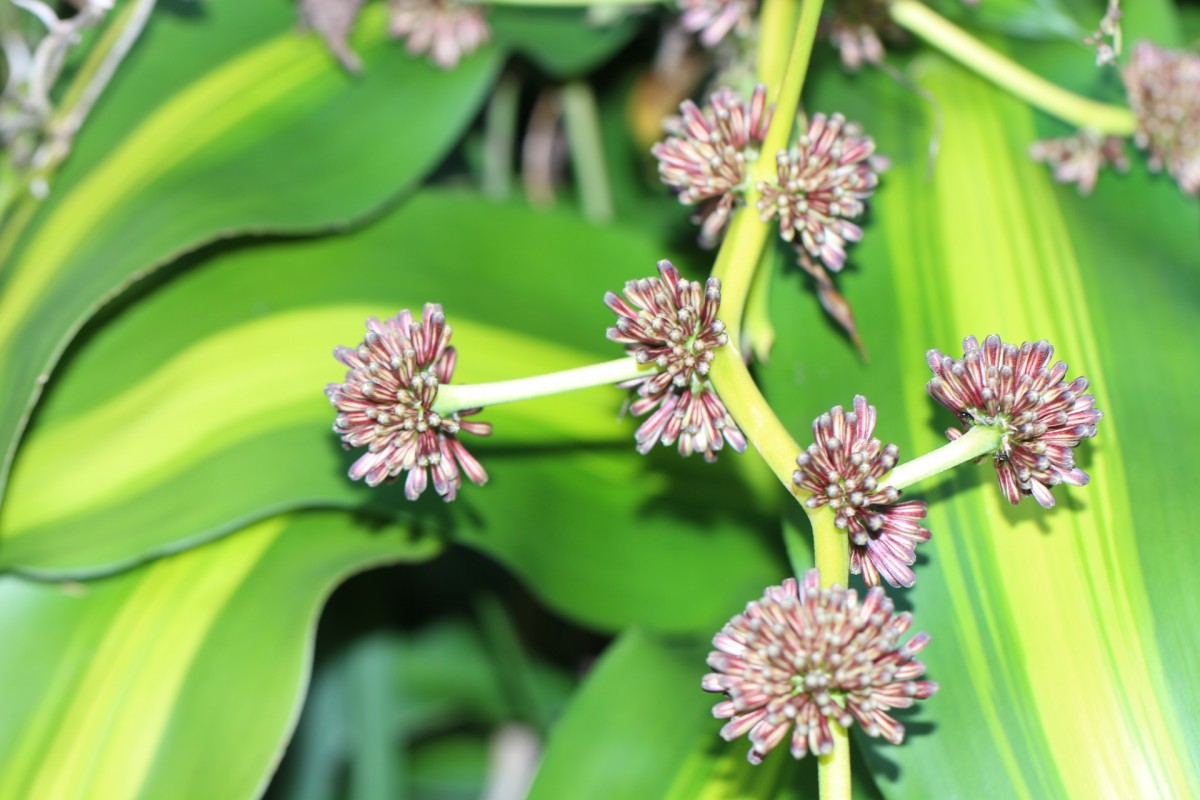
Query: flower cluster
x=672, y=323
x=858, y=28
x=713, y=20
x=706, y=157
x=842, y=470
x=387, y=403
x=1163, y=87
x=1016, y=390
x=1078, y=159
x=807, y=656
x=445, y=29
x=821, y=184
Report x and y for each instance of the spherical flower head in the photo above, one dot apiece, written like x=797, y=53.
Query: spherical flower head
x=822, y=183
x=1016, y=390
x=1163, y=87
x=1078, y=159
x=445, y=29
x=842, y=470
x=387, y=404
x=713, y=20
x=804, y=656
x=706, y=157
x=672, y=323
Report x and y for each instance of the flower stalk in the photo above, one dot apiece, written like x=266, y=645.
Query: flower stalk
x=454, y=398
x=748, y=235
x=952, y=40
x=834, y=769
x=980, y=440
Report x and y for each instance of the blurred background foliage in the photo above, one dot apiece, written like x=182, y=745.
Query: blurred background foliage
x=178, y=539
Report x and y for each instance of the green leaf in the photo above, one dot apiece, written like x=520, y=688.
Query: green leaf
x=224, y=121
x=125, y=685
x=390, y=706
x=1061, y=638
x=219, y=396
x=566, y=42
x=642, y=727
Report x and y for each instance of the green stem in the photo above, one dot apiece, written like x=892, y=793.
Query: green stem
x=748, y=234
x=833, y=770
x=1034, y=89
x=754, y=416
x=460, y=397
x=758, y=334
x=582, y=122
x=777, y=25
x=979, y=441
x=832, y=548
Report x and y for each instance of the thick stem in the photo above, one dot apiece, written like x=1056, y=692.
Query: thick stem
x=758, y=334
x=748, y=234
x=460, y=397
x=832, y=547
x=777, y=26
x=833, y=770
x=754, y=416
x=1006, y=73
x=979, y=441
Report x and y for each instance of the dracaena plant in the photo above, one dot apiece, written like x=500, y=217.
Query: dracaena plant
x=736, y=221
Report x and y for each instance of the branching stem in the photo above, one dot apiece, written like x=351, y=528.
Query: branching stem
x=979, y=441
x=952, y=40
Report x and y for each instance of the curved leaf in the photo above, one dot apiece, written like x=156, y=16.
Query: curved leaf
x=216, y=117
x=217, y=399
x=125, y=684
x=565, y=42
x=642, y=727
x=1060, y=637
